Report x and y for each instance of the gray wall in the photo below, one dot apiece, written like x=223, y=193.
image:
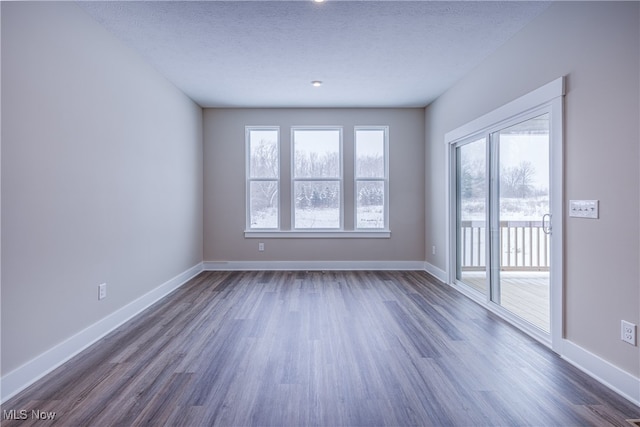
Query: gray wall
x=597, y=46
x=101, y=177
x=224, y=185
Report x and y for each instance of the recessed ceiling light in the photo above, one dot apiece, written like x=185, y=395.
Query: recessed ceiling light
x=318, y=1
x=316, y=83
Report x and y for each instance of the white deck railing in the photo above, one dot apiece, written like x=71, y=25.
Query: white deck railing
x=523, y=246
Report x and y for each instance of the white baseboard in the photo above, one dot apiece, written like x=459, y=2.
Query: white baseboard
x=20, y=378
x=311, y=265
x=609, y=375
x=622, y=382
x=436, y=272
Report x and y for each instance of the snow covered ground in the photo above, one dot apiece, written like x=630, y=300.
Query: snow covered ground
x=369, y=217
x=511, y=209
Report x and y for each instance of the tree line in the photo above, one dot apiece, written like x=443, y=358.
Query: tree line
x=515, y=181
x=311, y=194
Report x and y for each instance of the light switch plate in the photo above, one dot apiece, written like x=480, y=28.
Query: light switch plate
x=583, y=209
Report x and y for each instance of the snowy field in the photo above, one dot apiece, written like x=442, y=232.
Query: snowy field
x=369, y=217
x=511, y=209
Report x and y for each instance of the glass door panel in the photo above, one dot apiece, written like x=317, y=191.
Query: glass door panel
x=471, y=246
x=520, y=243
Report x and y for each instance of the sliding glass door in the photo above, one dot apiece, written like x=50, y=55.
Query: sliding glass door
x=519, y=214
x=471, y=208
x=502, y=217
x=505, y=184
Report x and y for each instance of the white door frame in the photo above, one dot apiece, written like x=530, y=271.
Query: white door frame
x=548, y=98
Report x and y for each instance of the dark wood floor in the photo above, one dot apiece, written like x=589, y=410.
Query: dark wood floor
x=319, y=349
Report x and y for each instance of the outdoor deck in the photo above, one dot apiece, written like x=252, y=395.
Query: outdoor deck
x=524, y=293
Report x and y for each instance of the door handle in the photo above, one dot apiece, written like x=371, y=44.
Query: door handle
x=546, y=223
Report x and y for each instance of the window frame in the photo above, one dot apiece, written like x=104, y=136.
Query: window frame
x=340, y=179
x=286, y=173
x=249, y=179
x=384, y=180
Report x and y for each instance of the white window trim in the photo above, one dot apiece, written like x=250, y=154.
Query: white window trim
x=318, y=234
x=324, y=233
x=385, y=180
x=249, y=180
x=340, y=180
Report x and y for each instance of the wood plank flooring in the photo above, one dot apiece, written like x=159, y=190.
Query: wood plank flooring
x=318, y=349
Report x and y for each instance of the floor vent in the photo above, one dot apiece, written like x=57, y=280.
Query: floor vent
x=635, y=423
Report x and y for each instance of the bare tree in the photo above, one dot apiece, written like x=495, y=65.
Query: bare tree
x=264, y=164
x=517, y=181
x=264, y=159
x=472, y=179
x=370, y=166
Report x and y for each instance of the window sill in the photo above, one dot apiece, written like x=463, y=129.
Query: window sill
x=320, y=234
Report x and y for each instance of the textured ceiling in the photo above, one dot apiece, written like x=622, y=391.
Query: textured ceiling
x=266, y=53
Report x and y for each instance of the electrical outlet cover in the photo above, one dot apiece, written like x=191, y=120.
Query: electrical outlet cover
x=102, y=291
x=628, y=332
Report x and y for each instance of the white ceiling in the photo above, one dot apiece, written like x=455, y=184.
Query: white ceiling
x=266, y=53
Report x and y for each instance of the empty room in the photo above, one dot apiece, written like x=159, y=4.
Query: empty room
x=327, y=213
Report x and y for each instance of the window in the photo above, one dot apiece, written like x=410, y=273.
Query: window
x=304, y=197
x=263, y=177
x=371, y=183
x=316, y=178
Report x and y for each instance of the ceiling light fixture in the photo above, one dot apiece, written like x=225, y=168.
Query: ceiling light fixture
x=318, y=1
x=316, y=83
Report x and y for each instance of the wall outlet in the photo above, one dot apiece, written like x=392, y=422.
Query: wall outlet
x=261, y=247
x=628, y=332
x=102, y=291
x=433, y=250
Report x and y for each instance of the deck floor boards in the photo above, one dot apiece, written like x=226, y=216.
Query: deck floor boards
x=524, y=293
